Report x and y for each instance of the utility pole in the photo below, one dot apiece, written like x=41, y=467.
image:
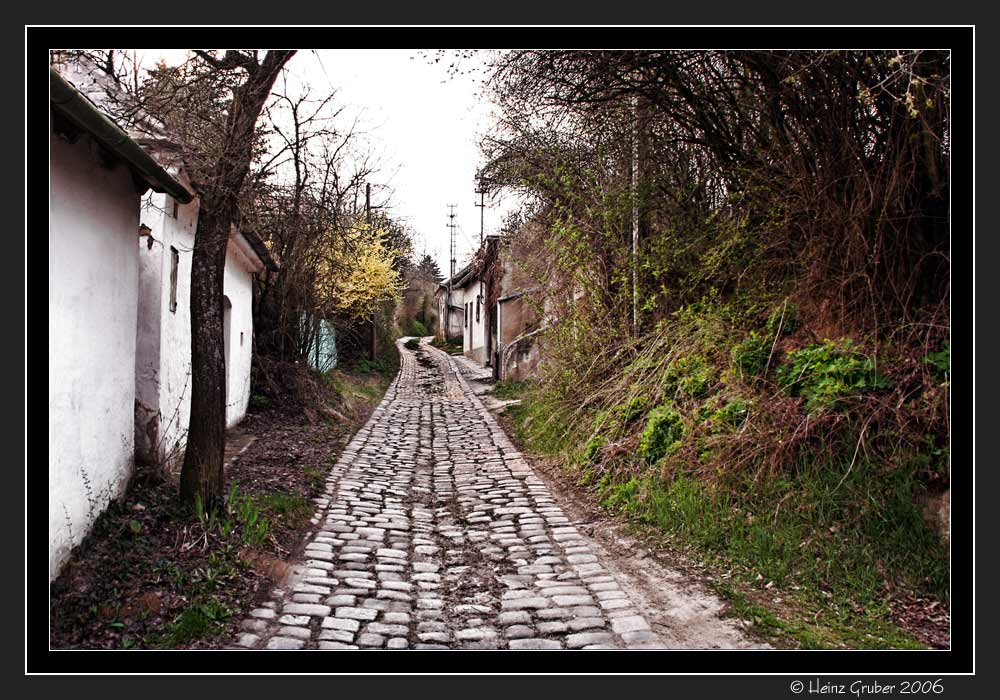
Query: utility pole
x=482, y=209
x=451, y=275
x=481, y=300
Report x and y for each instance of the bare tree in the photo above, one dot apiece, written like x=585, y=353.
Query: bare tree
x=202, y=477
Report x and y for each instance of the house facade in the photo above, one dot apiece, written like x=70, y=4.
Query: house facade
x=499, y=318
x=163, y=333
x=450, y=321
x=97, y=177
x=469, y=291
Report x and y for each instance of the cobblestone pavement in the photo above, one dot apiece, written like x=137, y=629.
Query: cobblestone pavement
x=435, y=533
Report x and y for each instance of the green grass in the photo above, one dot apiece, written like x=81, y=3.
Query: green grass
x=316, y=477
x=197, y=621
x=511, y=389
x=292, y=508
x=538, y=426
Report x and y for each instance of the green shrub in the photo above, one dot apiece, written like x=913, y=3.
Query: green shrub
x=790, y=323
x=631, y=411
x=416, y=328
x=750, y=356
x=828, y=372
x=592, y=449
x=615, y=420
x=664, y=429
x=376, y=366
x=940, y=362
x=624, y=497
x=412, y=344
x=259, y=402
x=690, y=376
x=730, y=416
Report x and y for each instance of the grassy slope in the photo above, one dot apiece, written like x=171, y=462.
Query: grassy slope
x=811, y=561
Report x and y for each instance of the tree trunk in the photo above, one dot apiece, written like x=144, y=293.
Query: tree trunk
x=202, y=477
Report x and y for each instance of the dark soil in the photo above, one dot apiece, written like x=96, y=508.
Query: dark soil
x=152, y=575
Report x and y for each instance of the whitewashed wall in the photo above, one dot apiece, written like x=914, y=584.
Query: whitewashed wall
x=474, y=336
x=238, y=287
x=163, y=365
x=93, y=278
x=457, y=318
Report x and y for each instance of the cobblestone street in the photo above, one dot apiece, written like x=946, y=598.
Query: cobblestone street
x=434, y=533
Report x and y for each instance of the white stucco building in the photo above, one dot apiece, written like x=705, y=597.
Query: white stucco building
x=163, y=334
x=467, y=294
x=97, y=175
x=450, y=322
x=470, y=293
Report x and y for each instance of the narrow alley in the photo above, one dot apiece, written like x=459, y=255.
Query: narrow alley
x=436, y=533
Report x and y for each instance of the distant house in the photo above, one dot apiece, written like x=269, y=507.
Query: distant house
x=518, y=328
x=470, y=291
x=97, y=176
x=499, y=318
x=163, y=336
x=450, y=315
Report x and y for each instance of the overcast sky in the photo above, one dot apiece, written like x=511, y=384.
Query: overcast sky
x=422, y=123
x=425, y=125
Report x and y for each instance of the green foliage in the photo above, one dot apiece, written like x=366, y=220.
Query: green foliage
x=282, y=503
x=412, y=344
x=617, y=419
x=730, y=416
x=511, y=389
x=664, y=429
x=541, y=426
x=259, y=402
x=592, y=450
x=197, y=621
x=826, y=373
x=377, y=366
x=240, y=518
x=690, y=377
x=625, y=414
x=750, y=356
x=783, y=318
x=416, y=328
x=940, y=362
x=828, y=526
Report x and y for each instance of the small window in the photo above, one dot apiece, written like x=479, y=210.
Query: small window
x=479, y=301
x=466, y=315
x=241, y=338
x=175, y=259
x=175, y=208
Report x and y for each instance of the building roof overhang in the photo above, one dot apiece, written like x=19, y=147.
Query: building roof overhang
x=83, y=114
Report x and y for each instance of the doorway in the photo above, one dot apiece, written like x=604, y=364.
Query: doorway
x=227, y=339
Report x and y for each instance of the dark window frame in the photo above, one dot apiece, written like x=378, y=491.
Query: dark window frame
x=175, y=263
